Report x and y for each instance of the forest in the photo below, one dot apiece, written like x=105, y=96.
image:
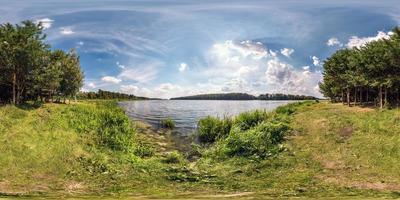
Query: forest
x=368, y=75
x=31, y=70
x=102, y=94
x=244, y=96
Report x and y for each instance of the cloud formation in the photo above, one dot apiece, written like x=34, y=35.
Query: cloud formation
x=66, y=31
x=287, y=52
x=357, y=42
x=316, y=61
x=111, y=79
x=183, y=67
x=334, y=42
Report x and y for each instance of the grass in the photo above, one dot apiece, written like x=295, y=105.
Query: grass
x=90, y=148
x=167, y=123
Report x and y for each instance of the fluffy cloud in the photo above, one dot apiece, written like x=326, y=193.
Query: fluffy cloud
x=183, y=67
x=46, y=22
x=334, y=42
x=66, y=31
x=316, y=61
x=287, y=52
x=120, y=65
x=283, y=78
x=111, y=79
x=252, y=67
x=357, y=42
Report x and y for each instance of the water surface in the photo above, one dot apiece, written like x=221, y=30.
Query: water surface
x=186, y=113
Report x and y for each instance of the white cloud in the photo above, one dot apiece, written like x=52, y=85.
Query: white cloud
x=46, y=22
x=287, y=52
x=306, y=68
x=111, y=79
x=92, y=85
x=183, y=67
x=357, y=42
x=316, y=61
x=81, y=43
x=283, y=78
x=66, y=31
x=334, y=42
x=120, y=65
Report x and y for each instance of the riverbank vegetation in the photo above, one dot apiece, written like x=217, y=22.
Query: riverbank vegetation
x=30, y=70
x=91, y=147
x=244, y=96
x=108, y=95
x=368, y=75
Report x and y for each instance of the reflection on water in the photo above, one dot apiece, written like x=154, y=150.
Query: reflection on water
x=187, y=113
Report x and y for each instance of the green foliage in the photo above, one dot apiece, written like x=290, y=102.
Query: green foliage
x=261, y=141
x=143, y=150
x=247, y=120
x=107, y=122
x=173, y=157
x=167, y=123
x=210, y=129
x=365, y=75
x=115, y=130
x=244, y=96
x=30, y=70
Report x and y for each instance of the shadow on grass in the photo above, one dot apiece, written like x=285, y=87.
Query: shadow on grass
x=30, y=105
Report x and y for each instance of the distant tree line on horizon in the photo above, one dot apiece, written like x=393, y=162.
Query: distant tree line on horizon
x=102, y=94
x=30, y=70
x=367, y=75
x=244, y=96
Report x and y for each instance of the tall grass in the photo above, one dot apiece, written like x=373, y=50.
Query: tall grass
x=255, y=133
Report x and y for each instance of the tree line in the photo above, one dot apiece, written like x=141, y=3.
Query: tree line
x=31, y=70
x=244, y=96
x=102, y=94
x=366, y=75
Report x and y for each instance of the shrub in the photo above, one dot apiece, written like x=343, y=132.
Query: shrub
x=168, y=123
x=115, y=130
x=211, y=128
x=250, y=119
x=261, y=141
x=173, y=157
x=143, y=150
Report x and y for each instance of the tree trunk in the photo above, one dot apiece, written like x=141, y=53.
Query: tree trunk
x=355, y=96
x=367, y=95
x=361, y=96
x=385, y=104
x=14, y=80
x=398, y=98
x=380, y=97
x=348, y=97
x=342, y=97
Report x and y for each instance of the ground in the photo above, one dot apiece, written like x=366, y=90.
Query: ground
x=332, y=151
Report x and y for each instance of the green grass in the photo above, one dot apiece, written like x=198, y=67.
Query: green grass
x=167, y=123
x=91, y=148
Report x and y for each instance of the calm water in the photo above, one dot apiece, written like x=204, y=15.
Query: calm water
x=187, y=113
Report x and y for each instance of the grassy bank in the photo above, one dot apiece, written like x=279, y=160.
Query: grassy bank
x=299, y=150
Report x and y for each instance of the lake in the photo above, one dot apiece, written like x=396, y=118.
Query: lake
x=186, y=113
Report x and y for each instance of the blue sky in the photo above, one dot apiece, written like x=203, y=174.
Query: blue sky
x=172, y=48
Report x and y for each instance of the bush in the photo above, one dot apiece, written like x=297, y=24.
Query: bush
x=115, y=130
x=173, y=157
x=261, y=141
x=143, y=150
x=211, y=128
x=168, y=123
x=250, y=119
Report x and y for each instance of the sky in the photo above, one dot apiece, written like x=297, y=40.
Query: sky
x=170, y=48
